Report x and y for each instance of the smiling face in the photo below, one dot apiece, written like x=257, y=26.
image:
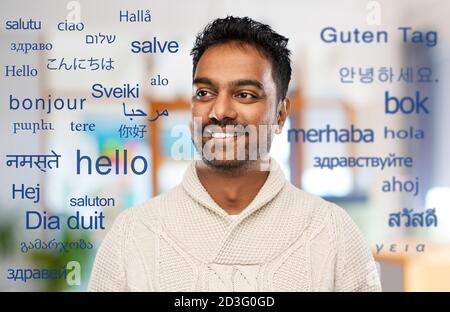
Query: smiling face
x=234, y=96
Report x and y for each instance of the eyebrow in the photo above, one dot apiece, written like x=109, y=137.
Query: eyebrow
x=235, y=83
x=203, y=80
x=247, y=82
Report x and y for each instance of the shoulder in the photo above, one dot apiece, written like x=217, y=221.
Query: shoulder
x=315, y=205
x=320, y=213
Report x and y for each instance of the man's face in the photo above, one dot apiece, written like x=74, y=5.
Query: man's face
x=234, y=96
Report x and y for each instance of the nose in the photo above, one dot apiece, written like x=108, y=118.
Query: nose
x=222, y=109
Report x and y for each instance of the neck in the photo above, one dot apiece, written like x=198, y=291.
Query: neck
x=234, y=189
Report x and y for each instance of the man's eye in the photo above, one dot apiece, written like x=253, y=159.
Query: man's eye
x=202, y=93
x=246, y=95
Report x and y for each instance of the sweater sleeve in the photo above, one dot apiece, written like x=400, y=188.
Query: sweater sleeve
x=356, y=269
x=108, y=273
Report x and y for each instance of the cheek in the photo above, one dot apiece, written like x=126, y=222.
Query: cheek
x=200, y=111
x=256, y=114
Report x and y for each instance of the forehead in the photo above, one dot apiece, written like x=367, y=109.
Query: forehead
x=232, y=61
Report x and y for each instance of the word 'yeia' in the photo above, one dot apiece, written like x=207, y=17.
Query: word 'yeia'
x=332, y=35
x=416, y=219
x=399, y=248
x=78, y=221
x=103, y=164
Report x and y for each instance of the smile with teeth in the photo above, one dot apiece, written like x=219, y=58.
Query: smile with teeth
x=223, y=135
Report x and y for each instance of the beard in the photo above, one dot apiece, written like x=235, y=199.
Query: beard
x=242, y=146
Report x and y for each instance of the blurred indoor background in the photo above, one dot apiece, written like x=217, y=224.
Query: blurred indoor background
x=318, y=95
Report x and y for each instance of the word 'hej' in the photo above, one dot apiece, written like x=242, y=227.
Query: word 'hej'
x=417, y=219
x=29, y=192
x=32, y=193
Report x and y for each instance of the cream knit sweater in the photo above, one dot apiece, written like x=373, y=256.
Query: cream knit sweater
x=285, y=240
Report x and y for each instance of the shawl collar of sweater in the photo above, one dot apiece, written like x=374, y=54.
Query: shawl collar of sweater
x=272, y=186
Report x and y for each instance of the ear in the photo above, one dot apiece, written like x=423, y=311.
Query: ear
x=283, y=112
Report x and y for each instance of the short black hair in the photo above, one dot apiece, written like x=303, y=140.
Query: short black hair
x=249, y=31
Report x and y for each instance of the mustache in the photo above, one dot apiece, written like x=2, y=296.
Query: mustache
x=222, y=123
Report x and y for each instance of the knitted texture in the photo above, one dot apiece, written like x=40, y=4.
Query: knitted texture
x=285, y=240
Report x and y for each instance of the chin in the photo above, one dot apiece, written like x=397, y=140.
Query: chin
x=226, y=164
